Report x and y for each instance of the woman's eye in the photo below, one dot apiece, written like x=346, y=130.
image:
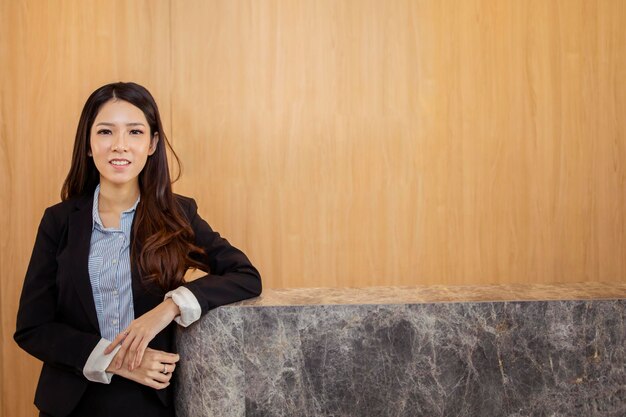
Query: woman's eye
x=136, y=132
x=104, y=132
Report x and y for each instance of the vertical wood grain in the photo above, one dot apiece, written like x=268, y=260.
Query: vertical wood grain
x=368, y=143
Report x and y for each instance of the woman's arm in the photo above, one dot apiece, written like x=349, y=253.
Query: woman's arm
x=232, y=278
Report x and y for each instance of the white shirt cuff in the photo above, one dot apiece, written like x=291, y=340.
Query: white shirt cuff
x=97, y=363
x=190, y=310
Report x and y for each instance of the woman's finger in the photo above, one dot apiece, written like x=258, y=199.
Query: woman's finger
x=167, y=357
x=161, y=377
x=159, y=385
x=155, y=383
x=155, y=367
x=169, y=368
x=120, y=337
x=140, y=352
x=121, y=354
x=133, y=352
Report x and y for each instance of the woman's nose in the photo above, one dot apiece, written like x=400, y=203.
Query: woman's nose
x=119, y=143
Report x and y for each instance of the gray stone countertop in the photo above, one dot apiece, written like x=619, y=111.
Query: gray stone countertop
x=491, y=350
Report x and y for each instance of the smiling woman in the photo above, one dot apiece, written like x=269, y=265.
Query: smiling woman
x=105, y=287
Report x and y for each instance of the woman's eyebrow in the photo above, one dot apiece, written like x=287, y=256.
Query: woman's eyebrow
x=127, y=124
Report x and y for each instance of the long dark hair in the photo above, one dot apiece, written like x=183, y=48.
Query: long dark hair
x=160, y=230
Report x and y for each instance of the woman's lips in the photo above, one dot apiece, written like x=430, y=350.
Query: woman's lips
x=119, y=163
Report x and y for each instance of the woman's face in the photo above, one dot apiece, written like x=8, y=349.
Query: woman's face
x=120, y=143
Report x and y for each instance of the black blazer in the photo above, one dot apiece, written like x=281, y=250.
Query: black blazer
x=57, y=320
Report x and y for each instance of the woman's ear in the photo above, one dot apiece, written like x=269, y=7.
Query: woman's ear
x=89, y=153
x=153, y=144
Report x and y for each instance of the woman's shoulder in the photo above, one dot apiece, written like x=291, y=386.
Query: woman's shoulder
x=70, y=205
x=187, y=204
x=184, y=200
x=56, y=216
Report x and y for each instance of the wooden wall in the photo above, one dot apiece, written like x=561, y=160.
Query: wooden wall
x=340, y=143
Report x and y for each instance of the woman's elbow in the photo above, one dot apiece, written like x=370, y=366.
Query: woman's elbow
x=257, y=285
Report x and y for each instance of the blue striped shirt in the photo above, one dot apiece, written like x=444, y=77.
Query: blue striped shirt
x=109, y=271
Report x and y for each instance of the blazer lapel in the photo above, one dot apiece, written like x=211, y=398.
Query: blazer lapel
x=79, y=240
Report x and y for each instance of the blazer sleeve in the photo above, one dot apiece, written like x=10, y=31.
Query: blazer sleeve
x=38, y=330
x=232, y=276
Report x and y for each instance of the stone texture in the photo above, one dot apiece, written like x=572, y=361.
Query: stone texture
x=540, y=358
x=438, y=294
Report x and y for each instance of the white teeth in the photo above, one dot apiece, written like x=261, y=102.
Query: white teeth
x=120, y=162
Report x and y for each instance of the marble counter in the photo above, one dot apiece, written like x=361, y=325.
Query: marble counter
x=513, y=350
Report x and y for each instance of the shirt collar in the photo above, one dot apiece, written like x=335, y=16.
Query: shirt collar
x=96, y=214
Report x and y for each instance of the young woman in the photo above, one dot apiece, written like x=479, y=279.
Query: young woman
x=105, y=281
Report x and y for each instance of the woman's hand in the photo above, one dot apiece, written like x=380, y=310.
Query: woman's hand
x=134, y=340
x=150, y=370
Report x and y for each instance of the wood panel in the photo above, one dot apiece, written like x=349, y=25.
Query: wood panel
x=351, y=143
x=54, y=54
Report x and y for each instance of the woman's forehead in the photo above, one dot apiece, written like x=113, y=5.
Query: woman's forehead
x=120, y=112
